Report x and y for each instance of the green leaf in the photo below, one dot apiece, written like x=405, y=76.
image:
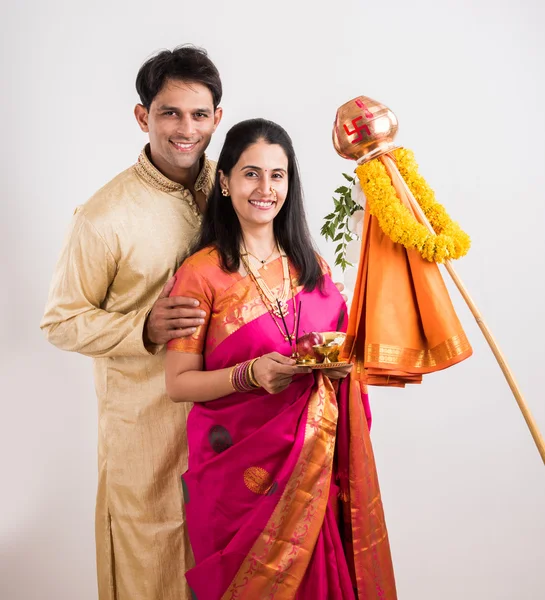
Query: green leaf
x=329, y=216
x=341, y=190
x=347, y=177
x=338, y=237
x=347, y=237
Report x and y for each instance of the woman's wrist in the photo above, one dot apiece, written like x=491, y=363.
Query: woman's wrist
x=251, y=373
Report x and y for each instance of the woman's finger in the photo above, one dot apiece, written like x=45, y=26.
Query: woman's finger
x=337, y=373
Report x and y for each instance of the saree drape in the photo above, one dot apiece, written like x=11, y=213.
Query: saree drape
x=402, y=322
x=281, y=495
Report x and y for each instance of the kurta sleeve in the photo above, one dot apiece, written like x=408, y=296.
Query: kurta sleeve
x=190, y=282
x=74, y=319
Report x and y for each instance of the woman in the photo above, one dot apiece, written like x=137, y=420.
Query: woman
x=281, y=496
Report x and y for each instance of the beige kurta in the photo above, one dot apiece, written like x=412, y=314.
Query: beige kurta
x=124, y=244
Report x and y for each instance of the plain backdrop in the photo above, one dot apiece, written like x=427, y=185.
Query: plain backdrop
x=462, y=482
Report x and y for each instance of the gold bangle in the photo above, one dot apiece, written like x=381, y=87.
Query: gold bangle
x=251, y=375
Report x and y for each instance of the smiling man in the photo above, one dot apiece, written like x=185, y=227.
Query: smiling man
x=109, y=300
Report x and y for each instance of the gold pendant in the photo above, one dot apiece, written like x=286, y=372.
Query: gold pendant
x=282, y=312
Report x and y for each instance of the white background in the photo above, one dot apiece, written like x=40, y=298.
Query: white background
x=463, y=485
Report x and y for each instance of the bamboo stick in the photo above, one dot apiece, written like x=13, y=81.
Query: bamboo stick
x=538, y=439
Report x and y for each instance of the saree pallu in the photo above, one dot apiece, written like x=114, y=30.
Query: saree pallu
x=402, y=321
x=281, y=494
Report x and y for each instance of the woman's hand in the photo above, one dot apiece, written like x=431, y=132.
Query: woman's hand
x=338, y=372
x=274, y=372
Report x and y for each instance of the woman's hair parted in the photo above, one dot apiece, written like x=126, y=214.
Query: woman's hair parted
x=221, y=227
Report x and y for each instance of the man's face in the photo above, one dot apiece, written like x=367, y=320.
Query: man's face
x=180, y=123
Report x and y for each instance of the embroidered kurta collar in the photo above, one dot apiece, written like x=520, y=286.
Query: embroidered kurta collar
x=149, y=173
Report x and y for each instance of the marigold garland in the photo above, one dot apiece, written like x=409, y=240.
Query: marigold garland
x=395, y=219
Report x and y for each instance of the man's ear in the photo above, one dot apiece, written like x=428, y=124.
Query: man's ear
x=141, y=114
x=218, y=114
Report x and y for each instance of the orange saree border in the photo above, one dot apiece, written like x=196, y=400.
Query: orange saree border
x=277, y=562
x=369, y=546
x=237, y=302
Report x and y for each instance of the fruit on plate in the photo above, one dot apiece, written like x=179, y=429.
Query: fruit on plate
x=305, y=346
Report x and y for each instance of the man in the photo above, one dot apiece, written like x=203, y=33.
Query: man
x=107, y=301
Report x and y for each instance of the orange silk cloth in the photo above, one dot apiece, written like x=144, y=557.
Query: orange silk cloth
x=402, y=323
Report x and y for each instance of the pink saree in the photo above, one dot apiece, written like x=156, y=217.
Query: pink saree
x=281, y=494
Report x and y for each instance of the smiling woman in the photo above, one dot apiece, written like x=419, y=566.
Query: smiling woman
x=257, y=192
x=263, y=506
x=258, y=157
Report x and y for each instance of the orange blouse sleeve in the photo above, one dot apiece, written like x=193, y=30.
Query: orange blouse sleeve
x=191, y=284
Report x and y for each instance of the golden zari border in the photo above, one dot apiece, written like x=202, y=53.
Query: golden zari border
x=369, y=545
x=235, y=306
x=277, y=562
x=408, y=358
x=145, y=168
x=236, y=301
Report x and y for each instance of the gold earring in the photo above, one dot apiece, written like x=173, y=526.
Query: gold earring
x=224, y=192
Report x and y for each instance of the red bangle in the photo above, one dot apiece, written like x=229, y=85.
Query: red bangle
x=240, y=377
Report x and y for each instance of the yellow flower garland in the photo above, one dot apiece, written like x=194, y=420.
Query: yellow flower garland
x=396, y=220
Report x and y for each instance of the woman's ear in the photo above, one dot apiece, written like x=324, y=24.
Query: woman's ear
x=224, y=183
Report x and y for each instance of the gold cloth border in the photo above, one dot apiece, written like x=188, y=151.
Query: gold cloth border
x=370, y=545
x=277, y=562
x=444, y=354
x=237, y=304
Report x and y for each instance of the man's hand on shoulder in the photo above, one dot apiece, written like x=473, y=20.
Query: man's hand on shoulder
x=172, y=318
x=340, y=287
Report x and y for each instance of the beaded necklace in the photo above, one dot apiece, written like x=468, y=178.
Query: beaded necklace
x=269, y=299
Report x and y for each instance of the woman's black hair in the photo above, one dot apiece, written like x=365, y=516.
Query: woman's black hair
x=221, y=227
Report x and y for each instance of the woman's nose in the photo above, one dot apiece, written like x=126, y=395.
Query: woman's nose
x=265, y=187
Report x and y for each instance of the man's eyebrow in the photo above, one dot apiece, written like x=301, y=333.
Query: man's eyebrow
x=176, y=109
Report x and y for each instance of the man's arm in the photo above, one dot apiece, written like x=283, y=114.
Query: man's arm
x=73, y=319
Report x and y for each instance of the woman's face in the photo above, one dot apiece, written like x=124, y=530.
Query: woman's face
x=258, y=183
